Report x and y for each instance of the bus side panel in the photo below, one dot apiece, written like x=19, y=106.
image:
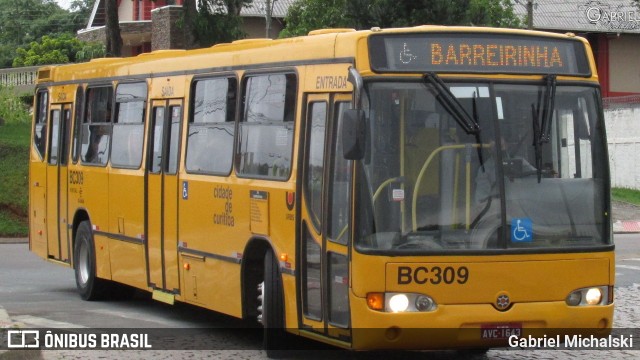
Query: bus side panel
x=210, y=223
x=37, y=205
x=126, y=220
x=205, y=285
x=94, y=197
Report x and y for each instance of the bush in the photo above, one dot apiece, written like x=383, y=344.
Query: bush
x=13, y=110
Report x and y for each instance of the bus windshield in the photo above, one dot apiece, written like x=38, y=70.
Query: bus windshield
x=482, y=166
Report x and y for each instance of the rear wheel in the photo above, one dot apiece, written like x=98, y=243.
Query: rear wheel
x=272, y=308
x=84, y=259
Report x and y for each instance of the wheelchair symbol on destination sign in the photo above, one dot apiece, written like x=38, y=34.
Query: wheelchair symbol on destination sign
x=521, y=230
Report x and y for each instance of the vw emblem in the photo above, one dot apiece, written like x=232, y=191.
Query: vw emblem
x=503, y=302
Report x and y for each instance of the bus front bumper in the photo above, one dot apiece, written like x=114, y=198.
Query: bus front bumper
x=475, y=325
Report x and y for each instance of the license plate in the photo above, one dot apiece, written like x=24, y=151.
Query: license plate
x=500, y=331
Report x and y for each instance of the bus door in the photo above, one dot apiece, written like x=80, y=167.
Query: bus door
x=324, y=260
x=57, y=182
x=162, y=195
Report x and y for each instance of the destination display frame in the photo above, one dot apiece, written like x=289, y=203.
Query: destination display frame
x=484, y=53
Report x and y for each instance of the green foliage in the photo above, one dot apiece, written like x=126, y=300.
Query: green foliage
x=214, y=24
x=14, y=178
x=626, y=195
x=13, y=110
x=24, y=21
x=306, y=15
x=56, y=50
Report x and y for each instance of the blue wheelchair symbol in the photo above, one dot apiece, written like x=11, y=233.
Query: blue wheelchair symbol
x=521, y=230
x=185, y=190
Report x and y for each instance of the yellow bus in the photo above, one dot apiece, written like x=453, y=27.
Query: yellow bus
x=412, y=188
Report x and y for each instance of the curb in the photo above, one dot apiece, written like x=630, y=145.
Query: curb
x=14, y=240
x=626, y=227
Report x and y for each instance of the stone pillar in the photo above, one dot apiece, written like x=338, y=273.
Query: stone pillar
x=165, y=33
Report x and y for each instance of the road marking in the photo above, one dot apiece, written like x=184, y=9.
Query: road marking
x=632, y=259
x=630, y=267
x=45, y=323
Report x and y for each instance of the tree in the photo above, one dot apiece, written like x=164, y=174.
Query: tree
x=189, y=19
x=219, y=21
x=307, y=15
x=60, y=49
x=114, y=39
x=22, y=22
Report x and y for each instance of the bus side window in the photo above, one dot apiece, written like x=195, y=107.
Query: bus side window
x=96, y=129
x=211, y=126
x=79, y=105
x=128, y=127
x=40, y=128
x=265, y=141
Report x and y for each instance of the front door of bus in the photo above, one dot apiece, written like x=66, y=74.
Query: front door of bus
x=162, y=194
x=324, y=260
x=58, y=156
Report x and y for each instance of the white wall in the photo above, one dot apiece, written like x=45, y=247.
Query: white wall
x=623, y=133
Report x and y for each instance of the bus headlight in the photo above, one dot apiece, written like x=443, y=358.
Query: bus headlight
x=597, y=295
x=399, y=303
x=593, y=296
x=402, y=302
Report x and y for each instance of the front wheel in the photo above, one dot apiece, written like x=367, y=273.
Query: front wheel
x=90, y=287
x=271, y=292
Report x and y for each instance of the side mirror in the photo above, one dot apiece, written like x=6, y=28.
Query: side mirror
x=353, y=134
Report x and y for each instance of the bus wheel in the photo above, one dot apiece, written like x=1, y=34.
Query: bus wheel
x=271, y=308
x=84, y=259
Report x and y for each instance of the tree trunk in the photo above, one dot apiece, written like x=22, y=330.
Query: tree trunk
x=114, y=39
x=190, y=13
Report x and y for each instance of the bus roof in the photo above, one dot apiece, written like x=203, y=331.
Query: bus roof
x=326, y=45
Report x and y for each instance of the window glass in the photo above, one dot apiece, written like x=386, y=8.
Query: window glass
x=96, y=129
x=55, y=132
x=338, y=290
x=313, y=181
x=157, y=138
x=211, y=126
x=340, y=185
x=266, y=131
x=128, y=130
x=64, y=133
x=312, y=304
x=40, y=129
x=78, y=123
x=174, y=138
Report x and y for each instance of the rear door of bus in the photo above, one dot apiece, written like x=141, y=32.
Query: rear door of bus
x=162, y=194
x=57, y=160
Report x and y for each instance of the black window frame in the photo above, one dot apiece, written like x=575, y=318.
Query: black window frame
x=289, y=116
x=231, y=112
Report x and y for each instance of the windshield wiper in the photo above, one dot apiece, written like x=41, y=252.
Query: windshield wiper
x=452, y=105
x=542, y=121
x=475, y=120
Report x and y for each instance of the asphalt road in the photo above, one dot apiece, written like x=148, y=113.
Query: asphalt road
x=39, y=294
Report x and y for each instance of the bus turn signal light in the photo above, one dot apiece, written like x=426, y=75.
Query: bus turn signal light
x=375, y=301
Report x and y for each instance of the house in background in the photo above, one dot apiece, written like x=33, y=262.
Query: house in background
x=147, y=25
x=612, y=27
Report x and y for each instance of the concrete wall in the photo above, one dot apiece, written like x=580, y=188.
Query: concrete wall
x=624, y=72
x=623, y=132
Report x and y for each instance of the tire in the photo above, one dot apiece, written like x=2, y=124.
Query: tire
x=274, y=340
x=84, y=260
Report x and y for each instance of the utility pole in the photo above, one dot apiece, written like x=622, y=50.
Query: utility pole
x=530, y=14
x=268, y=12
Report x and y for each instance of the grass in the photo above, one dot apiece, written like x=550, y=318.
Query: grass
x=14, y=179
x=626, y=195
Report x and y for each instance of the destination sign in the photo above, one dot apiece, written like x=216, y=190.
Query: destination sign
x=484, y=53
